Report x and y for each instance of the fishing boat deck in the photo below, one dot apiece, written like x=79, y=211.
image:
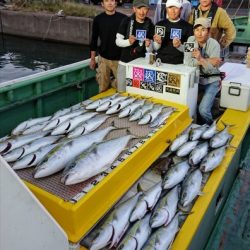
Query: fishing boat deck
x=232, y=230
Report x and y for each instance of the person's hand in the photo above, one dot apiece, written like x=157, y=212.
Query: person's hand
x=92, y=63
x=215, y=61
x=147, y=42
x=196, y=54
x=157, y=39
x=132, y=39
x=176, y=42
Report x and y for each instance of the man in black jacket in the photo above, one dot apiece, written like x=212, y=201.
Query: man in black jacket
x=133, y=37
x=104, y=30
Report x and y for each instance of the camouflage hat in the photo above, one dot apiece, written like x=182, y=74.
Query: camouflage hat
x=140, y=3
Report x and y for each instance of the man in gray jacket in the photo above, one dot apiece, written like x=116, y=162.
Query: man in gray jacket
x=205, y=55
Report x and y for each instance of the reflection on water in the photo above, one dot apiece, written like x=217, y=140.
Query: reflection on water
x=21, y=57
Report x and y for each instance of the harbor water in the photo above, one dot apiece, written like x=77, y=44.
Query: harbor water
x=20, y=57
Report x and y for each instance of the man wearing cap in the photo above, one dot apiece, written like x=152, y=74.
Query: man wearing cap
x=174, y=32
x=133, y=37
x=160, y=10
x=222, y=27
x=206, y=57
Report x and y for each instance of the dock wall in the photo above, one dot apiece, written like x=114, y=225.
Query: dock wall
x=45, y=26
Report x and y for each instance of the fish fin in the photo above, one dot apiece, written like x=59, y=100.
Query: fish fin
x=171, y=243
x=177, y=159
x=181, y=208
x=7, y=148
x=20, y=156
x=32, y=160
x=139, y=187
x=165, y=154
x=227, y=124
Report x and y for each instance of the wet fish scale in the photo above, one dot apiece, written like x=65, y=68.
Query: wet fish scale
x=96, y=161
x=146, y=202
x=165, y=209
x=95, y=104
x=64, y=154
x=198, y=153
x=213, y=159
x=88, y=126
x=119, y=106
x=191, y=187
x=115, y=225
x=175, y=174
x=151, y=115
x=220, y=139
x=136, y=237
x=163, y=236
x=195, y=133
x=178, y=142
x=33, y=159
x=186, y=148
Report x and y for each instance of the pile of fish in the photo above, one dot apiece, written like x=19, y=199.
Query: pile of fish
x=150, y=219
x=71, y=139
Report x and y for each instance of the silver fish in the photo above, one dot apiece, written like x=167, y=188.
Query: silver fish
x=119, y=106
x=195, y=133
x=175, y=174
x=20, y=152
x=97, y=160
x=165, y=209
x=163, y=236
x=137, y=235
x=151, y=115
x=18, y=141
x=35, y=128
x=56, y=122
x=88, y=126
x=186, y=148
x=96, y=103
x=129, y=110
x=198, y=153
x=210, y=132
x=213, y=159
x=178, y=142
x=34, y=158
x=160, y=119
x=109, y=103
x=146, y=202
x=81, y=104
x=65, y=153
x=139, y=113
x=71, y=124
x=191, y=187
x=26, y=124
x=115, y=225
x=60, y=112
x=220, y=139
